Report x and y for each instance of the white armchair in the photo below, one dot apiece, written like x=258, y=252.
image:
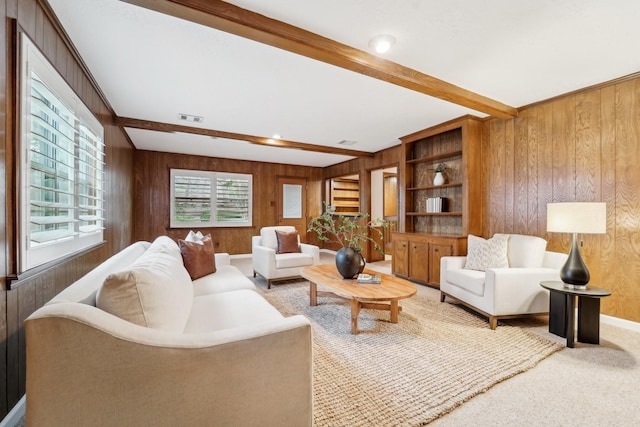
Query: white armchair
x=279, y=266
x=505, y=292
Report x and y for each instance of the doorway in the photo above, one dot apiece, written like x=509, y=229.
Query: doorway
x=292, y=206
x=384, y=202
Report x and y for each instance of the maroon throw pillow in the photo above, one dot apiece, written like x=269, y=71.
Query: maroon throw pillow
x=287, y=242
x=199, y=259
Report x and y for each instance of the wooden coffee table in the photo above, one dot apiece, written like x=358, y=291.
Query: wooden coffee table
x=361, y=295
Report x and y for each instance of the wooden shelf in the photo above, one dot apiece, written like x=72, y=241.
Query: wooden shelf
x=435, y=158
x=434, y=213
x=433, y=187
x=456, y=144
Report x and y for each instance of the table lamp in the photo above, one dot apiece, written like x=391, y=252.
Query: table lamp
x=576, y=217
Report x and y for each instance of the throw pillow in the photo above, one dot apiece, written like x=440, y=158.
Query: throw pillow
x=287, y=242
x=194, y=237
x=490, y=253
x=198, y=257
x=156, y=291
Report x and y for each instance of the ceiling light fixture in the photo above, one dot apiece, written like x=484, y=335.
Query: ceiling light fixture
x=276, y=136
x=382, y=43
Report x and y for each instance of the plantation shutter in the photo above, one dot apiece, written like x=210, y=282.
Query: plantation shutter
x=192, y=199
x=62, y=166
x=210, y=199
x=233, y=196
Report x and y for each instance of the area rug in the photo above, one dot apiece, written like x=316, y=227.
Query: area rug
x=406, y=374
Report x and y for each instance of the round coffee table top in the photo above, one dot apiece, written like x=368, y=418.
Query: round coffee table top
x=390, y=288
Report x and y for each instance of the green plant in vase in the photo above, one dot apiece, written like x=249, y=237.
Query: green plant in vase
x=351, y=232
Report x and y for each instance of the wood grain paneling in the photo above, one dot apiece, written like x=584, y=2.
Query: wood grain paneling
x=153, y=185
x=32, y=292
x=581, y=147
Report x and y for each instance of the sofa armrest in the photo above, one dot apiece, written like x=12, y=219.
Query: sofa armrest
x=222, y=258
x=312, y=250
x=518, y=290
x=450, y=263
x=264, y=260
x=87, y=367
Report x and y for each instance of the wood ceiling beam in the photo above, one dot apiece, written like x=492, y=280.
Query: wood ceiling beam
x=127, y=122
x=242, y=22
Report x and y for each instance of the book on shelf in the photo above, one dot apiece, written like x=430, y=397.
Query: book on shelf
x=369, y=278
x=436, y=204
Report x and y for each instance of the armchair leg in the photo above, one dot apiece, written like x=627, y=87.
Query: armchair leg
x=268, y=283
x=442, y=296
x=493, y=322
x=254, y=273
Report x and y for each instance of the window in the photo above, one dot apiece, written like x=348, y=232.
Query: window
x=210, y=199
x=61, y=166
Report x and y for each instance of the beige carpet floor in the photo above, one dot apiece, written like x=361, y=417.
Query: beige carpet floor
x=589, y=385
x=404, y=374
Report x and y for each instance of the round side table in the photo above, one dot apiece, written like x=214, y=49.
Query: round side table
x=562, y=304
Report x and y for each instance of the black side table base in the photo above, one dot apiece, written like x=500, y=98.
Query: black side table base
x=562, y=312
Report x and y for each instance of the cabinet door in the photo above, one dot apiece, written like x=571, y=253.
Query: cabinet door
x=400, y=259
x=437, y=251
x=419, y=262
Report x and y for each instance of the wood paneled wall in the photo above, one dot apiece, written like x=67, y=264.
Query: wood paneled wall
x=152, y=195
x=581, y=147
x=31, y=293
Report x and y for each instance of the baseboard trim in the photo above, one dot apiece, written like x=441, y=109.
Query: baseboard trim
x=622, y=323
x=16, y=413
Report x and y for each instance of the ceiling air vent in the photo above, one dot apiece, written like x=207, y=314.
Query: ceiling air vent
x=191, y=118
x=347, y=142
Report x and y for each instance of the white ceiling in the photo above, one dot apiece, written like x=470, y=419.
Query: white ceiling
x=152, y=66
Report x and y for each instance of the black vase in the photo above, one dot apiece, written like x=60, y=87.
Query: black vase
x=349, y=262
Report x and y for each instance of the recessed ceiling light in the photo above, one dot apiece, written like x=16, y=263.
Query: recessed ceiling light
x=276, y=136
x=190, y=118
x=382, y=43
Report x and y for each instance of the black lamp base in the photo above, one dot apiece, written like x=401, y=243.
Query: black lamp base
x=574, y=272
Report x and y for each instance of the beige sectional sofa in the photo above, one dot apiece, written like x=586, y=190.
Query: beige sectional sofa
x=205, y=352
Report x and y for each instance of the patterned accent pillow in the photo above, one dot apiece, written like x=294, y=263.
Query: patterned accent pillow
x=490, y=253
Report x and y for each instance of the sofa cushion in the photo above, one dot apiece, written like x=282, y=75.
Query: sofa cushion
x=268, y=235
x=525, y=251
x=490, y=253
x=293, y=260
x=198, y=257
x=229, y=310
x=288, y=242
x=155, y=291
x=226, y=278
x=469, y=280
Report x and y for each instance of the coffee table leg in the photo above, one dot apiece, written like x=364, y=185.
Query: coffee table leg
x=313, y=293
x=394, y=310
x=355, y=312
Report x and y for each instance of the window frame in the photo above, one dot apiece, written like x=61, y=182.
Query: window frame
x=213, y=177
x=32, y=253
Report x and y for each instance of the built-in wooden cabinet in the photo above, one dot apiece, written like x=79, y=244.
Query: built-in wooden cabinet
x=429, y=233
x=417, y=256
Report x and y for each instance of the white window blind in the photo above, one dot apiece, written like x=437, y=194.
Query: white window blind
x=61, y=166
x=210, y=199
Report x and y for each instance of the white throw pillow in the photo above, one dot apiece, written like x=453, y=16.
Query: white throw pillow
x=194, y=237
x=156, y=291
x=490, y=253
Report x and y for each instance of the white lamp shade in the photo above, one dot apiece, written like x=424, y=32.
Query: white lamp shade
x=577, y=217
